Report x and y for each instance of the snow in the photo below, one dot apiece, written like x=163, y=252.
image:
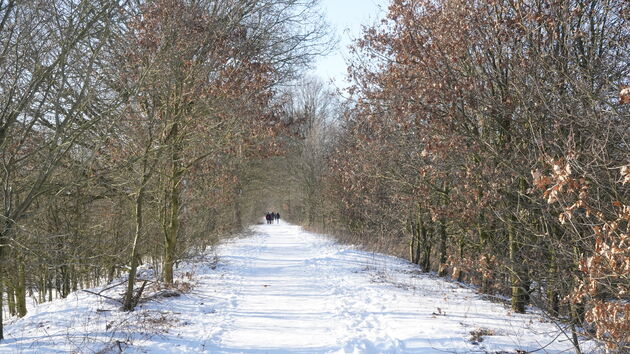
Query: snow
x=284, y=290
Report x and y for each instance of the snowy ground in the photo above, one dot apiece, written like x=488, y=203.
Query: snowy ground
x=286, y=290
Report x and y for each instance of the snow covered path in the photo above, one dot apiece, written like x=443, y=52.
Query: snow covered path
x=286, y=290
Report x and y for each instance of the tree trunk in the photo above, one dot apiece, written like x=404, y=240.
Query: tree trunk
x=418, y=243
x=418, y=250
x=425, y=263
x=4, y=236
x=486, y=284
x=553, y=297
x=42, y=287
x=11, y=300
x=74, y=277
x=518, y=297
x=170, y=237
x=460, y=273
x=412, y=244
x=20, y=290
x=128, y=304
x=238, y=218
x=415, y=244
x=574, y=334
x=65, y=281
x=443, y=255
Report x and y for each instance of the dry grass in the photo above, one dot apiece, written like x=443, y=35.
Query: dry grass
x=477, y=334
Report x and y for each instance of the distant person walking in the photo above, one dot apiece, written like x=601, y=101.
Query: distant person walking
x=269, y=218
x=277, y=217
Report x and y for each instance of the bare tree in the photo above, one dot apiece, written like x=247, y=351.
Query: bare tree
x=49, y=70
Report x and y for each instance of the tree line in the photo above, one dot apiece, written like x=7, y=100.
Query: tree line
x=125, y=127
x=487, y=141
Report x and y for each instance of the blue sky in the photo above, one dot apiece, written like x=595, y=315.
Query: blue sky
x=346, y=18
